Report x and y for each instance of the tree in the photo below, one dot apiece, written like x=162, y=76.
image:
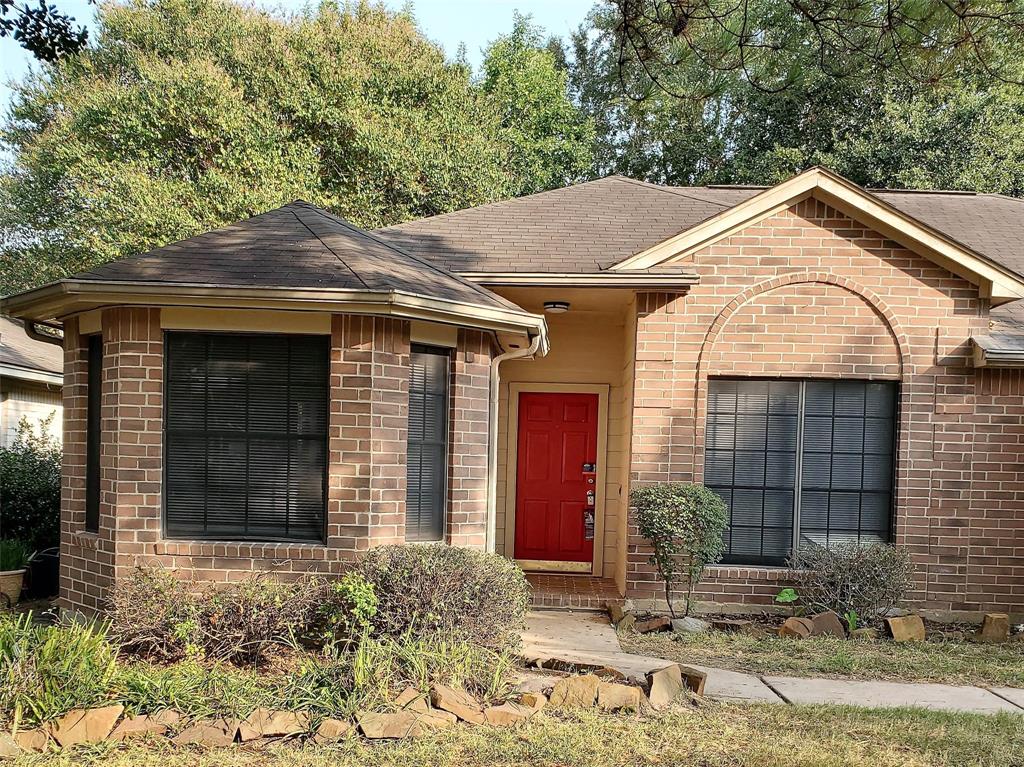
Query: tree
x=883, y=131
x=772, y=45
x=41, y=29
x=551, y=143
x=684, y=524
x=185, y=115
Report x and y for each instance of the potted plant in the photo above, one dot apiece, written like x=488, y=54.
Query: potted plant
x=14, y=557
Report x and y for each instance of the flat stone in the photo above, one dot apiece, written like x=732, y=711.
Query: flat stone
x=906, y=628
x=8, y=748
x=331, y=730
x=86, y=725
x=664, y=686
x=458, y=702
x=575, y=692
x=618, y=697
x=436, y=719
x=215, y=733
x=878, y=694
x=694, y=679
x=534, y=700
x=507, y=714
x=690, y=625
x=652, y=625
x=35, y=740
x=267, y=723
x=995, y=627
x=796, y=628
x=866, y=634
x=400, y=724
x=827, y=624
x=141, y=726
x=736, y=626
x=412, y=699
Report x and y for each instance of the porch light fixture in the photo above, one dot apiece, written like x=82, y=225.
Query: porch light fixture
x=556, y=307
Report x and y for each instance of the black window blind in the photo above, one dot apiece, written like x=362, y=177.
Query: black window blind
x=93, y=425
x=800, y=461
x=427, y=468
x=246, y=436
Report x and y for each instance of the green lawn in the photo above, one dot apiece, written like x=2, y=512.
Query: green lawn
x=713, y=736
x=949, y=661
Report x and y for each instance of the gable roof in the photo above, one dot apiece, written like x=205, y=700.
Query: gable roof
x=297, y=256
x=606, y=224
x=24, y=357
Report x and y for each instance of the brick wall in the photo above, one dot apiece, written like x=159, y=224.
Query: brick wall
x=467, y=456
x=811, y=293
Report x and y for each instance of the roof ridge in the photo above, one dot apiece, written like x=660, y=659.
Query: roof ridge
x=342, y=261
x=676, y=190
x=401, y=251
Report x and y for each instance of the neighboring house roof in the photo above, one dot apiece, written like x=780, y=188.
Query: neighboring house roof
x=26, y=358
x=596, y=225
x=297, y=256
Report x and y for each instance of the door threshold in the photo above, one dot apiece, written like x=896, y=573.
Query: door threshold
x=554, y=566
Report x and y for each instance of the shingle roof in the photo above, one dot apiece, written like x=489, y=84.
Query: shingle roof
x=591, y=226
x=296, y=246
x=18, y=350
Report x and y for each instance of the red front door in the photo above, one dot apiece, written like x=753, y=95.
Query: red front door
x=556, y=477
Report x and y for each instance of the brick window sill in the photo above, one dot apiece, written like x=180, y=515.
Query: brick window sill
x=749, y=572
x=242, y=549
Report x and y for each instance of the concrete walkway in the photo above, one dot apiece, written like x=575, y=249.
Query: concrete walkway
x=587, y=637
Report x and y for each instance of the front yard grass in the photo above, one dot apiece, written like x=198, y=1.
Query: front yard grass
x=938, y=660
x=712, y=736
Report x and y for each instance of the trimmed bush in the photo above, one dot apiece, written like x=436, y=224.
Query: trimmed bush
x=865, y=580
x=155, y=615
x=449, y=592
x=45, y=671
x=684, y=524
x=30, y=478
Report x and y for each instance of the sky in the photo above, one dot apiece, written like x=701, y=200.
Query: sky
x=448, y=22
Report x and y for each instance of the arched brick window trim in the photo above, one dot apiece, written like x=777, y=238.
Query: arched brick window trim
x=718, y=325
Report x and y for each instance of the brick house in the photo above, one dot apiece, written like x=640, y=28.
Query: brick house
x=286, y=392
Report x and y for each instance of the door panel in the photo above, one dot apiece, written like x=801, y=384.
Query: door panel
x=557, y=436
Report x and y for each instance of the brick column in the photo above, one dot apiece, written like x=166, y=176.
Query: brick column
x=467, y=452
x=368, y=432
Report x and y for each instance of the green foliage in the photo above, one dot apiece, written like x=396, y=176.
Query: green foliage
x=852, y=622
x=861, y=578
x=347, y=610
x=45, y=671
x=188, y=114
x=446, y=591
x=14, y=555
x=550, y=144
x=684, y=524
x=30, y=486
x=966, y=132
x=787, y=596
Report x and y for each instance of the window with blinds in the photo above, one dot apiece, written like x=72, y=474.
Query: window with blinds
x=93, y=423
x=800, y=461
x=246, y=436
x=427, y=469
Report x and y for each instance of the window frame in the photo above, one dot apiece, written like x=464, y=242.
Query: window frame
x=446, y=353
x=93, y=431
x=800, y=450
x=324, y=480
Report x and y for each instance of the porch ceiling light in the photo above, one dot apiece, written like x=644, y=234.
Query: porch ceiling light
x=556, y=307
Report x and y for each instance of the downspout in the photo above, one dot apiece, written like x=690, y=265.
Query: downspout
x=492, y=438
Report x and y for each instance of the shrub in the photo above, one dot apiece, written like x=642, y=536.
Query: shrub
x=347, y=607
x=45, y=671
x=14, y=555
x=867, y=580
x=156, y=615
x=450, y=592
x=684, y=524
x=30, y=479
